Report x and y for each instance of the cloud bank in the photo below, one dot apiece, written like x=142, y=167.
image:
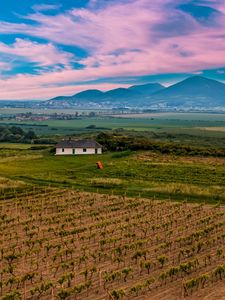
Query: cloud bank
x=120, y=38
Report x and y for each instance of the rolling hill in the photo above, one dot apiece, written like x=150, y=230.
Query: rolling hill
x=147, y=89
x=132, y=95
x=195, y=91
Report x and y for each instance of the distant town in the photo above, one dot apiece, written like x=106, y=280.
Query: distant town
x=195, y=93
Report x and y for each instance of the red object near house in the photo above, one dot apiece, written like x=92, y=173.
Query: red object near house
x=99, y=165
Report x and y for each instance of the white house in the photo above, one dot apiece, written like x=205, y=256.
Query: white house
x=77, y=147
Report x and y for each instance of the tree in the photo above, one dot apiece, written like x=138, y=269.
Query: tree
x=30, y=135
x=17, y=130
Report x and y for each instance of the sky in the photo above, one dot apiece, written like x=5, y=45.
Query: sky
x=50, y=48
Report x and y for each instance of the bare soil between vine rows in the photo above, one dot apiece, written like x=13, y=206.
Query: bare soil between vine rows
x=64, y=244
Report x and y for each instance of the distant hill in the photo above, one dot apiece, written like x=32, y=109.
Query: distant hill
x=193, y=91
x=88, y=95
x=147, y=89
x=122, y=95
x=132, y=95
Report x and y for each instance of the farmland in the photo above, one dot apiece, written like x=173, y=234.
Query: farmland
x=185, y=127
x=64, y=244
x=135, y=173
x=150, y=225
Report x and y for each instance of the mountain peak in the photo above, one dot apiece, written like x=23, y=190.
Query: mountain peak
x=147, y=89
x=197, y=78
x=88, y=93
x=194, y=91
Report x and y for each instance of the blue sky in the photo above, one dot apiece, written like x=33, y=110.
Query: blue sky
x=50, y=48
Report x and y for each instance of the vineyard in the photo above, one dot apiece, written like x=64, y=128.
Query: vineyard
x=63, y=244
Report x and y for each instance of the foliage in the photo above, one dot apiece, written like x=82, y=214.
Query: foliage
x=15, y=134
x=126, y=143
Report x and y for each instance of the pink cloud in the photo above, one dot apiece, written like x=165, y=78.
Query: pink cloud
x=43, y=54
x=128, y=38
x=36, y=92
x=5, y=66
x=121, y=25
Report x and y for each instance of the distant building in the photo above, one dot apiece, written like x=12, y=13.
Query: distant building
x=78, y=147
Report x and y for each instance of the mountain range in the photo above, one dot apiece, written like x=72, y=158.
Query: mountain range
x=195, y=91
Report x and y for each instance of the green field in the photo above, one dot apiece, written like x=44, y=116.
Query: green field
x=181, y=127
x=15, y=111
x=133, y=173
x=138, y=122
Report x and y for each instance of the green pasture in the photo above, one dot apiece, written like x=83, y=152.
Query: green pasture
x=11, y=146
x=43, y=111
x=176, y=123
x=159, y=176
x=132, y=173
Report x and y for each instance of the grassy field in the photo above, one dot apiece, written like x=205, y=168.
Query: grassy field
x=191, y=128
x=14, y=111
x=140, y=123
x=133, y=173
x=15, y=146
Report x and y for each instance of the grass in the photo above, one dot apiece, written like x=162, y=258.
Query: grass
x=131, y=173
x=127, y=172
x=19, y=146
x=179, y=127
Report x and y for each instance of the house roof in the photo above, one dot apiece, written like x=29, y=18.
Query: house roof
x=78, y=144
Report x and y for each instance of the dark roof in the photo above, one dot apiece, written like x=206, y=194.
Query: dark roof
x=78, y=144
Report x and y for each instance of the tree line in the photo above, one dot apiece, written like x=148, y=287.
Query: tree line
x=15, y=134
x=123, y=142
